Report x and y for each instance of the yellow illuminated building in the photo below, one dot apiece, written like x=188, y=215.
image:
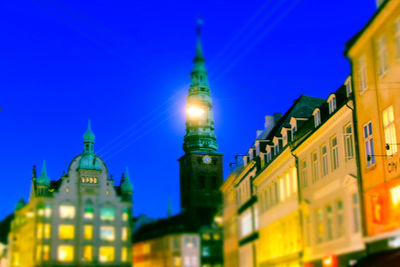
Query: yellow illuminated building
x=375, y=59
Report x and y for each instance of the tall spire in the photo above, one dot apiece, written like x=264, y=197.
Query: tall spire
x=88, y=140
x=200, y=136
x=43, y=179
x=126, y=185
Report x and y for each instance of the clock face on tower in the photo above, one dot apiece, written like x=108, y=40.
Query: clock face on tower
x=207, y=159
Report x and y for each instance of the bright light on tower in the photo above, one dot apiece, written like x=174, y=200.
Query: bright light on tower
x=195, y=112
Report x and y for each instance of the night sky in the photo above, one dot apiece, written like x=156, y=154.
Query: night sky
x=126, y=64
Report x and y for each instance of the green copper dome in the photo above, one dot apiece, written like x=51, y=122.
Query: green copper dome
x=43, y=179
x=126, y=185
x=20, y=204
x=89, y=162
x=89, y=135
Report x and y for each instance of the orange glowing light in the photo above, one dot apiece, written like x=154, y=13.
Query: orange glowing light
x=195, y=112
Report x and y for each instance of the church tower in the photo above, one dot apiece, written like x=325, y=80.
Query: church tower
x=201, y=166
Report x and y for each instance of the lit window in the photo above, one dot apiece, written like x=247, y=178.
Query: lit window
x=395, y=194
x=47, y=210
x=329, y=222
x=107, y=233
x=324, y=159
x=89, y=212
x=356, y=213
x=320, y=225
x=317, y=118
x=124, y=233
x=39, y=231
x=46, y=252
x=294, y=177
x=88, y=232
x=304, y=173
x=382, y=56
x=65, y=253
x=40, y=209
x=397, y=28
x=369, y=144
x=205, y=251
x=124, y=254
x=282, y=188
x=107, y=214
x=332, y=104
x=38, y=253
x=47, y=231
x=67, y=211
x=87, y=253
x=335, y=153
x=125, y=214
x=106, y=254
x=245, y=224
x=340, y=218
x=362, y=75
x=390, y=131
x=66, y=231
x=348, y=142
x=315, y=166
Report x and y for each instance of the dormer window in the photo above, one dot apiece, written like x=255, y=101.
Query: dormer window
x=349, y=88
x=317, y=117
x=332, y=103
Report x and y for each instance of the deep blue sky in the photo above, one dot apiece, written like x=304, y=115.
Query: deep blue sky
x=126, y=64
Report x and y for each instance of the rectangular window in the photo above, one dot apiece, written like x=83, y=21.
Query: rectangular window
x=124, y=254
x=349, y=88
x=397, y=29
x=369, y=144
x=39, y=231
x=382, y=56
x=107, y=214
x=107, y=233
x=329, y=222
x=124, y=233
x=88, y=232
x=334, y=153
x=304, y=173
x=89, y=212
x=282, y=189
x=294, y=178
x=332, y=104
x=340, y=218
x=315, y=166
x=67, y=211
x=87, y=253
x=324, y=160
x=47, y=231
x=319, y=215
x=125, y=214
x=246, y=224
x=106, y=254
x=356, y=213
x=66, y=231
x=46, y=252
x=348, y=142
x=362, y=75
x=390, y=131
x=65, y=253
x=317, y=118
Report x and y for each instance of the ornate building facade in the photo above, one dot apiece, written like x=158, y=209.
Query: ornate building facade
x=81, y=219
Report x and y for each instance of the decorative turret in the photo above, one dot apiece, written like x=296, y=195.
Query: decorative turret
x=126, y=185
x=88, y=160
x=200, y=136
x=43, y=179
x=20, y=204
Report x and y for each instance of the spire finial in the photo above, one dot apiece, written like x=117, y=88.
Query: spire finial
x=199, y=50
x=126, y=185
x=43, y=179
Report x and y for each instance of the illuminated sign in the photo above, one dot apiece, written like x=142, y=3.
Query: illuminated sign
x=395, y=193
x=330, y=261
x=377, y=208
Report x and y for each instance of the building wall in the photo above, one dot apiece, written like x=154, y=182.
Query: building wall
x=330, y=200
x=378, y=45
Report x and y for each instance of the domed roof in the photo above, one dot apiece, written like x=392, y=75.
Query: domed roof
x=89, y=135
x=20, y=204
x=126, y=185
x=89, y=162
x=43, y=179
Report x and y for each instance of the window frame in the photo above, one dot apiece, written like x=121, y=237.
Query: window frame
x=389, y=130
x=334, y=152
x=383, y=64
x=348, y=142
x=362, y=74
x=369, y=144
